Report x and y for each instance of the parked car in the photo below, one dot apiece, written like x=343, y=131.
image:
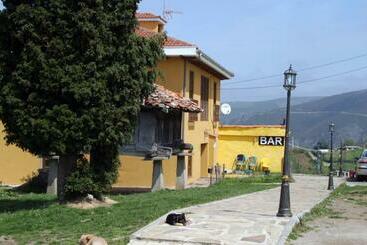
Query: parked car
x=361, y=168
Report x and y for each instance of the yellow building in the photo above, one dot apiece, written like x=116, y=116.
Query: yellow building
x=187, y=71
x=265, y=142
x=191, y=73
x=15, y=164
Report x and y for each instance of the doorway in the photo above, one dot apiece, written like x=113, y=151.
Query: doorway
x=204, y=160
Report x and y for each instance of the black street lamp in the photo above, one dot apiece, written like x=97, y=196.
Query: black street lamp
x=331, y=181
x=285, y=203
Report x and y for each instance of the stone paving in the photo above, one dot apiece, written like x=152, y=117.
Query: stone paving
x=246, y=219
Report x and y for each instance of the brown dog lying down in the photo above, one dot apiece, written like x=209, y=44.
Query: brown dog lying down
x=92, y=240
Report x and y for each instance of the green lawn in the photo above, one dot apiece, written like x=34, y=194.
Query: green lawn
x=302, y=163
x=348, y=157
x=349, y=162
x=38, y=218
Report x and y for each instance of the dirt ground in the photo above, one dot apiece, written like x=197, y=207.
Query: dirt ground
x=347, y=224
x=94, y=203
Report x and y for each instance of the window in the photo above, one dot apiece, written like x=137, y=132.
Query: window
x=204, y=98
x=215, y=93
x=215, y=106
x=192, y=84
x=192, y=116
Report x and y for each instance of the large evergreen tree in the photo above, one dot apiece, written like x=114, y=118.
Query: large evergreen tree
x=72, y=77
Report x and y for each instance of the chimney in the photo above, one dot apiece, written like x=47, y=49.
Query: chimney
x=152, y=22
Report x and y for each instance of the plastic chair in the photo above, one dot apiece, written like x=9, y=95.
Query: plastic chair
x=252, y=163
x=265, y=165
x=240, y=162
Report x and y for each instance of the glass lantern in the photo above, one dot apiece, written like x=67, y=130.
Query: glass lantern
x=331, y=127
x=290, y=79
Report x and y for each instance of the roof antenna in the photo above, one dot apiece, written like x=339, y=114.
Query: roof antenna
x=168, y=13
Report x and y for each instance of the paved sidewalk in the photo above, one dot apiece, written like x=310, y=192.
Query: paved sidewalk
x=246, y=219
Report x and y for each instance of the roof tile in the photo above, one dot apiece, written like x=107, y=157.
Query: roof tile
x=170, y=41
x=164, y=98
x=146, y=15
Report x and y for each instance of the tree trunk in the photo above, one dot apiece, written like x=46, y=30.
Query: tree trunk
x=66, y=165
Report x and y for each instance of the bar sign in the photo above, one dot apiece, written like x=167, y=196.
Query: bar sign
x=271, y=140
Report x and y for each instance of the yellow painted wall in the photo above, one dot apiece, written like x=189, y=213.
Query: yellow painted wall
x=136, y=173
x=15, y=164
x=234, y=140
x=202, y=132
x=172, y=74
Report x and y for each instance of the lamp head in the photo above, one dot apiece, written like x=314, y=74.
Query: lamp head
x=331, y=127
x=290, y=79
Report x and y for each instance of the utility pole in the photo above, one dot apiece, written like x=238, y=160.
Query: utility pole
x=318, y=161
x=341, y=160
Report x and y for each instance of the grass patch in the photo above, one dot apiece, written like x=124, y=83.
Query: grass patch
x=349, y=162
x=39, y=219
x=320, y=210
x=302, y=163
x=298, y=230
x=324, y=209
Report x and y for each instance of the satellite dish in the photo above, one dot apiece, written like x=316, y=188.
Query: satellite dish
x=225, y=109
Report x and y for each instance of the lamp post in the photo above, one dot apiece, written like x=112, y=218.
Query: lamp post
x=284, y=202
x=341, y=159
x=331, y=181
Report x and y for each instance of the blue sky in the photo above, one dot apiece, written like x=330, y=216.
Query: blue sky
x=262, y=37
x=256, y=38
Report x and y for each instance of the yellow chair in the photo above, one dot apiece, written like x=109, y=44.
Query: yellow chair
x=265, y=165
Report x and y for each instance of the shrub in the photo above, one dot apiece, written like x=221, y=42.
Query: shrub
x=81, y=181
x=104, y=163
x=95, y=178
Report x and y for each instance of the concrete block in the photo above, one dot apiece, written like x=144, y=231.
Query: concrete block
x=53, y=163
x=158, y=178
x=181, y=176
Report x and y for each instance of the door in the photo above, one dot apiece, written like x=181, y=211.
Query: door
x=204, y=160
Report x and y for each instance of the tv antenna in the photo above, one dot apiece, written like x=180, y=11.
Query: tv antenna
x=168, y=13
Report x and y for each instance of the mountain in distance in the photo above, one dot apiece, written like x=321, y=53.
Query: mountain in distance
x=242, y=110
x=310, y=119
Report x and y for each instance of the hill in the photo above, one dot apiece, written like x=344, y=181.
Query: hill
x=310, y=119
x=242, y=110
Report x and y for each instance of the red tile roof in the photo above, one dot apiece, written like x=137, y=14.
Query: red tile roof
x=164, y=98
x=146, y=15
x=173, y=42
x=170, y=41
x=143, y=32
